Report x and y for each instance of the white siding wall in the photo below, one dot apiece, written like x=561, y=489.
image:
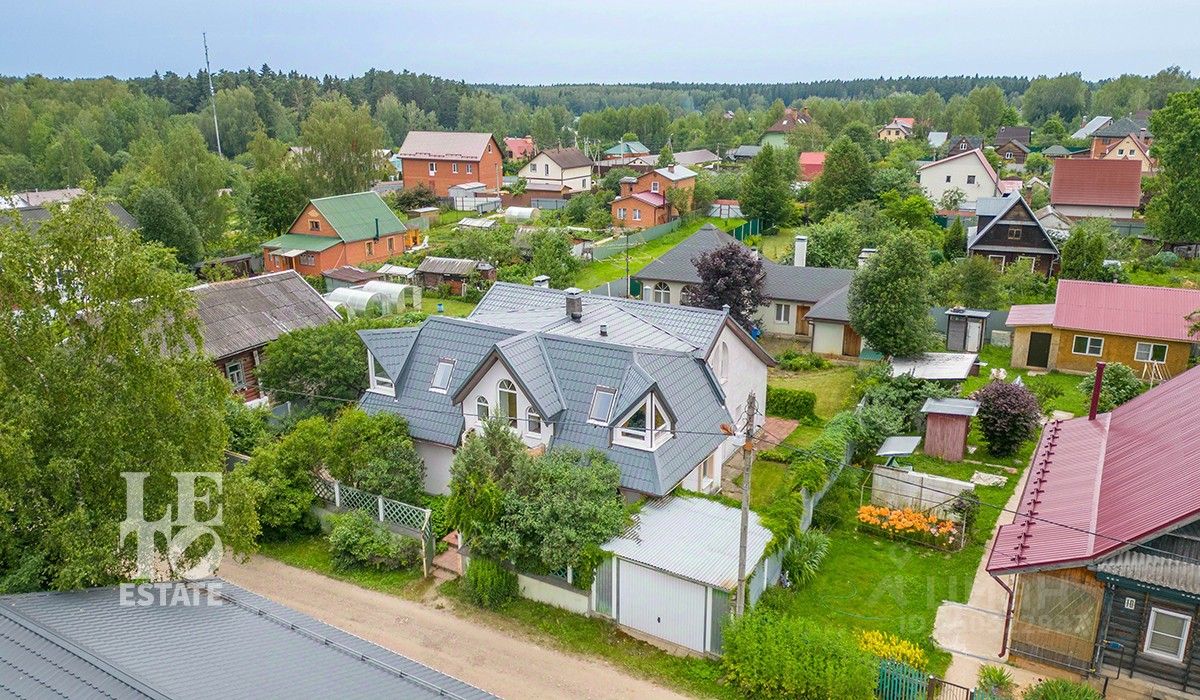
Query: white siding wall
x=661, y=605
x=827, y=338
x=486, y=387
x=768, y=324
x=577, y=179
x=1084, y=212
x=437, y=460
x=933, y=180
x=746, y=373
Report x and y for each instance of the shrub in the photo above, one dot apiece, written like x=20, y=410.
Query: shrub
x=1159, y=262
x=1008, y=416
x=791, y=403
x=905, y=393
x=771, y=655
x=893, y=648
x=876, y=423
x=803, y=560
x=996, y=681
x=357, y=541
x=1119, y=385
x=839, y=501
x=1044, y=389
x=1058, y=689
x=794, y=361
x=775, y=454
x=488, y=584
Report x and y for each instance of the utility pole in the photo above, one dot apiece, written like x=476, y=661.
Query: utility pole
x=212, y=94
x=747, y=462
x=628, y=291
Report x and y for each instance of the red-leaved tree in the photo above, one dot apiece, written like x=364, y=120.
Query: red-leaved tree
x=731, y=275
x=1008, y=416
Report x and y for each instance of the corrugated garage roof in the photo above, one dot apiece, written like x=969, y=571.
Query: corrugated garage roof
x=1100, y=484
x=692, y=538
x=233, y=644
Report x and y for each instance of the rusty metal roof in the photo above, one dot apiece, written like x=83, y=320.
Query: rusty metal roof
x=1096, y=487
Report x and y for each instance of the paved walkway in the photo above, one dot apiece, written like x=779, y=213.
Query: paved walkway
x=972, y=632
x=506, y=664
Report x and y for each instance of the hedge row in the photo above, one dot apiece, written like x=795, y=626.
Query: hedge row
x=791, y=403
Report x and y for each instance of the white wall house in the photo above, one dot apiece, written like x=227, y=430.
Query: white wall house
x=969, y=172
x=566, y=169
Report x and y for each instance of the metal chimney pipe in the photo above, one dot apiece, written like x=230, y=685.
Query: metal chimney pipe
x=1096, y=391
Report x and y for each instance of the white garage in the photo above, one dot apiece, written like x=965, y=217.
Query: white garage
x=673, y=574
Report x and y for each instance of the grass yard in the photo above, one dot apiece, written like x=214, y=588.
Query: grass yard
x=595, y=637
x=832, y=387
x=312, y=552
x=1182, y=276
x=611, y=269
x=452, y=307
x=1072, y=400
x=779, y=245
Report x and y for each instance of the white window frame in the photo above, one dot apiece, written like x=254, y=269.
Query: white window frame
x=723, y=362
x=1012, y=230
x=998, y=259
x=449, y=363
x=380, y=382
x=314, y=224
x=649, y=438
x=236, y=369
x=654, y=187
x=661, y=294
x=454, y=168
x=533, y=422
x=637, y=214
x=1155, y=613
x=1087, y=346
x=483, y=410
x=470, y=168
x=783, y=313
x=505, y=388
x=433, y=167
x=621, y=213
x=308, y=259
x=1032, y=261
x=1008, y=155
x=1149, y=347
x=592, y=405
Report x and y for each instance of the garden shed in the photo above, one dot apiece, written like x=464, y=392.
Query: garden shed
x=947, y=423
x=966, y=329
x=673, y=574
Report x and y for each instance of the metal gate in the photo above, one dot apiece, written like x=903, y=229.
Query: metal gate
x=899, y=681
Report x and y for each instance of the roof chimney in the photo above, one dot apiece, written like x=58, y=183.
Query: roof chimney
x=603, y=330
x=725, y=308
x=1096, y=390
x=800, y=251
x=574, y=304
x=754, y=251
x=671, y=167
x=542, y=281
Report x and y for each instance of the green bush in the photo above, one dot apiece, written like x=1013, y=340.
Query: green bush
x=1159, y=262
x=803, y=561
x=488, y=584
x=1008, y=416
x=776, y=656
x=876, y=423
x=791, y=403
x=776, y=454
x=794, y=361
x=357, y=541
x=1119, y=385
x=1044, y=389
x=996, y=681
x=1058, y=689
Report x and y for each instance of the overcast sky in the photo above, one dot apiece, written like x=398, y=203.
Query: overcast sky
x=518, y=41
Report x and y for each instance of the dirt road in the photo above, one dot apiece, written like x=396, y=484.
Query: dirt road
x=508, y=666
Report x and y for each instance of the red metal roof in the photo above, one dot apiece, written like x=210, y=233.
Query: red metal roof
x=519, y=147
x=1030, y=315
x=812, y=164
x=1125, y=309
x=1112, y=183
x=650, y=198
x=1096, y=486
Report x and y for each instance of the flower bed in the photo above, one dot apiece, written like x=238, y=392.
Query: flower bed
x=911, y=525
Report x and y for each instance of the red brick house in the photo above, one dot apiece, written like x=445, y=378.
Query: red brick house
x=330, y=232
x=643, y=202
x=239, y=317
x=442, y=159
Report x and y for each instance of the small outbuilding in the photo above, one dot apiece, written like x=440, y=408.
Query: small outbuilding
x=356, y=301
x=434, y=272
x=966, y=329
x=947, y=423
x=673, y=575
x=519, y=214
x=348, y=276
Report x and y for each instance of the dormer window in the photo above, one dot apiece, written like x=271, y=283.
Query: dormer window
x=646, y=427
x=602, y=403
x=441, y=375
x=380, y=381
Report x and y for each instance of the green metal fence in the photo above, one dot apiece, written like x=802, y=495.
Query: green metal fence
x=617, y=245
x=751, y=228
x=899, y=681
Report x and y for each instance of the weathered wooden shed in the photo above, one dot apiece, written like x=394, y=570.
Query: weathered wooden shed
x=966, y=329
x=947, y=423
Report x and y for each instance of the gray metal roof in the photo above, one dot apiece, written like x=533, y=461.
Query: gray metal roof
x=238, y=315
x=34, y=216
x=745, y=151
x=997, y=207
x=85, y=644
x=951, y=407
x=935, y=365
x=899, y=446
x=448, y=266
x=700, y=155
x=969, y=313
x=782, y=282
x=692, y=538
x=937, y=138
x=1122, y=127
x=1088, y=129
x=1157, y=570
x=993, y=206
x=835, y=307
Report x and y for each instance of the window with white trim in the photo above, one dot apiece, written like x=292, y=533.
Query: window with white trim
x=308, y=259
x=654, y=186
x=602, y=403
x=533, y=422
x=482, y=413
x=470, y=168
x=1087, y=345
x=998, y=260
x=723, y=362
x=432, y=168
x=236, y=374
x=970, y=179
x=441, y=375
x=1008, y=155
x=1150, y=352
x=314, y=225
x=1014, y=233
x=662, y=293
x=1028, y=260
x=1167, y=634
x=637, y=214
x=533, y=168
x=454, y=168
x=646, y=427
x=380, y=381
x=621, y=213
x=783, y=313
x=506, y=401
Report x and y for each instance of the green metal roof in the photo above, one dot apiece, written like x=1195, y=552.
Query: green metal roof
x=627, y=147
x=303, y=241
x=353, y=216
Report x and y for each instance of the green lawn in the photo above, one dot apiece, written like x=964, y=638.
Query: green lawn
x=611, y=269
x=1177, y=277
x=779, y=245
x=1072, y=400
x=832, y=387
x=312, y=553
x=595, y=637
x=452, y=307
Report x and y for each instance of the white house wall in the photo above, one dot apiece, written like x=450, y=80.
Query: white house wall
x=827, y=338
x=543, y=170
x=437, y=460
x=694, y=481
x=768, y=324
x=1077, y=211
x=933, y=180
x=747, y=373
x=486, y=387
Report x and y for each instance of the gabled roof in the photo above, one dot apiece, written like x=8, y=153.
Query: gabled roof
x=974, y=153
x=351, y=274
x=782, y=282
x=696, y=157
x=1130, y=141
x=744, y=151
x=445, y=145
x=674, y=173
x=448, y=266
x=789, y=121
x=1057, y=150
x=937, y=138
x=1030, y=315
x=34, y=216
x=1126, y=309
x=1098, y=486
x=1020, y=134
x=835, y=307
x=973, y=142
x=1090, y=128
x=242, y=314
x=627, y=148
x=1019, y=145
x=357, y=216
x=1122, y=127
x=812, y=164
x=1088, y=182
x=519, y=147
x=567, y=157
x=82, y=644
x=1006, y=205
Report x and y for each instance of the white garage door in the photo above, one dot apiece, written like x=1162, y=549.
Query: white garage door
x=662, y=605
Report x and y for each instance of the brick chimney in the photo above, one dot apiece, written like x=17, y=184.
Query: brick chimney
x=671, y=167
x=574, y=305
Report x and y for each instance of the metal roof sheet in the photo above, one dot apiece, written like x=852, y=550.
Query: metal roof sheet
x=302, y=241
x=1126, y=309
x=899, y=446
x=951, y=407
x=448, y=266
x=445, y=145
x=35, y=215
x=1150, y=568
x=696, y=157
x=84, y=644
x=692, y=538
x=1086, y=131
x=1087, y=182
x=359, y=216
x=935, y=365
x=1030, y=315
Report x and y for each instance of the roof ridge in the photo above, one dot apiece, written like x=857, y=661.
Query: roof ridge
x=647, y=321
